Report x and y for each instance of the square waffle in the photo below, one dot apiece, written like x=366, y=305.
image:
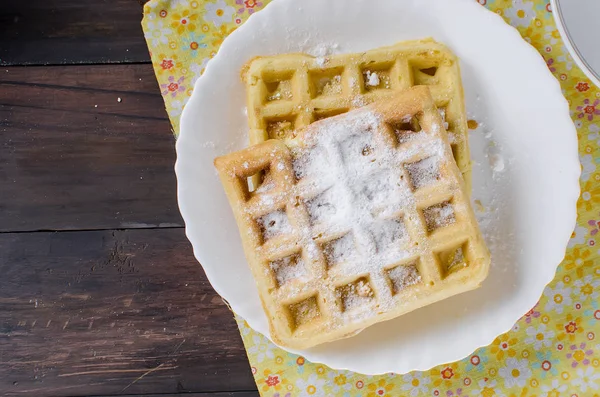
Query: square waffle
x=358, y=220
x=290, y=91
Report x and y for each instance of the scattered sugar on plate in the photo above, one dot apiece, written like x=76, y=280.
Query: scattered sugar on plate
x=497, y=162
x=490, y=205
x=323, y=49
x=321, y=61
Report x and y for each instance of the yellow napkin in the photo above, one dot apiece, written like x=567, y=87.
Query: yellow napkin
x=554, y=350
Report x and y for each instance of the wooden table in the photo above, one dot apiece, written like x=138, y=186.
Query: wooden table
x=99, y=291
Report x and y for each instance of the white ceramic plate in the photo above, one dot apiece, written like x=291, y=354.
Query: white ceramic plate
x=525, y=154
x=577, y=22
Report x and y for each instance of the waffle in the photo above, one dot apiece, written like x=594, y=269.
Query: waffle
x=359, y=218
x=286, y=92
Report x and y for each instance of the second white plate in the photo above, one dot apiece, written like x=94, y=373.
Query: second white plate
x=577, y=22
x=525, y=156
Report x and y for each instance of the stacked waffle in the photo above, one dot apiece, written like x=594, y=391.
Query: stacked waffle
x=352, y=201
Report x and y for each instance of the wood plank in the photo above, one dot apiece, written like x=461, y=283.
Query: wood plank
x=71, y=32
x=112, y=312
x=74, y=157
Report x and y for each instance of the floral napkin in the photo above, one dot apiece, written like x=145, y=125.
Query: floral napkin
x=552, y=351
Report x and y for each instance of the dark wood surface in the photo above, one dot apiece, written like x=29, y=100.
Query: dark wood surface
x=99, y=291
x=42, y=32
x=74, y=158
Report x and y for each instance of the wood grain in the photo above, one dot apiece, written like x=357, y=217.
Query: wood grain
x=89, y=310
x=112, y=312
x=71, y=32
x=73, y=157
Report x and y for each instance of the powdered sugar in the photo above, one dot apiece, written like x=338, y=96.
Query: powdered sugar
x=492, y=173
x=423, y=172
x=453, y=137
x=265, y=186
x=307, y=164
x=321, y=61
x=358, y=101
x=442, y=112
x=267, y=183
x=266, y=200
x=355, y=295
x=390, y=235
x=304, y=311
x=340, y=250
x=274, y=224
x=361, y=192
x=378, y=188
x=439, y=215
x=455, y=258
x=322, y=207
x=328, y=85
x=379, y=79
x=406, y=133
x=403, y=276
x=288, y=268
x=322, y=51
x=372, y=79
x=496, y=162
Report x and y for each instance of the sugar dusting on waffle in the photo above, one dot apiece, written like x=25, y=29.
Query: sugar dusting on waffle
x=362, y=192
x=403, y=277
x=355, y=194
x=273, y=224
x=288, y=268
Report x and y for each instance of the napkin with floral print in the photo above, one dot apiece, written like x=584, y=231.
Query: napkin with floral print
x=552, y=351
